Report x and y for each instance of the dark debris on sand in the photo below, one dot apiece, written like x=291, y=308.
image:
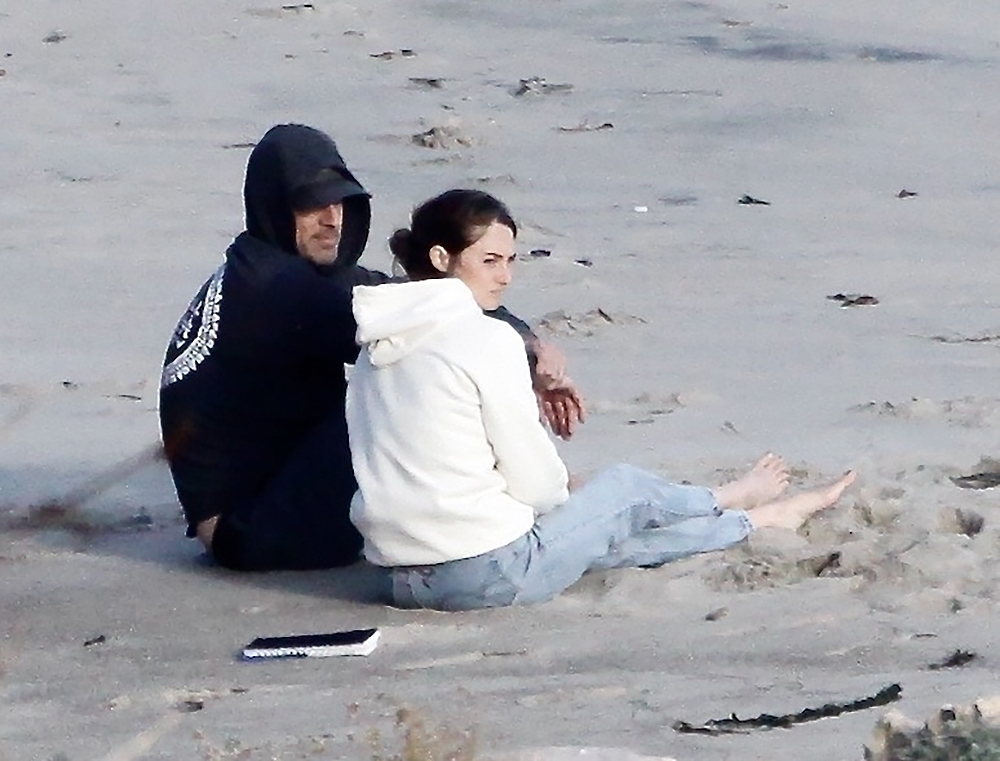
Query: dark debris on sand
x=956, y=660
x=854, y=299
x=388, y=55
x=977, y=481
x=427, y=83
x=734, y=725
x=587, y=127
x=747, y=200
x=538, y=86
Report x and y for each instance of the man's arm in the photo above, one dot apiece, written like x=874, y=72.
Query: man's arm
x=358, y=275
x=323, y=322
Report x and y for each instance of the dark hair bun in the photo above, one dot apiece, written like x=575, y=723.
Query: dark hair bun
x=401, y=245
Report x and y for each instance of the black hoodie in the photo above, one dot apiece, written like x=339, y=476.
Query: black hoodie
x=258, y=358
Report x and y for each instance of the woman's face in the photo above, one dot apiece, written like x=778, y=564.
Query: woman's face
x=486, y=266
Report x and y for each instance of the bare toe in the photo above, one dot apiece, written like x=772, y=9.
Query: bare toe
x=765, y=481
x=792, y=512
x=771, y=463
x=838, y=487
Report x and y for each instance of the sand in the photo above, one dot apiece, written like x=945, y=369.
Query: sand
x=699, y=328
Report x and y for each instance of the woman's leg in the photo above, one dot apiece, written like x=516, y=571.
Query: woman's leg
x=625, y=517
x=587, y=531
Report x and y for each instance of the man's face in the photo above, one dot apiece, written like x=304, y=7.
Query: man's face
x=317, y=233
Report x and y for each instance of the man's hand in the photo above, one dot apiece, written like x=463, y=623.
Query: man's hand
x=550, y=367
x=559, y=400
x=562, y=408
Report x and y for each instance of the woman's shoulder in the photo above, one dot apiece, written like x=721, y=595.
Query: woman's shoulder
x=489, y=331
x=483, y=343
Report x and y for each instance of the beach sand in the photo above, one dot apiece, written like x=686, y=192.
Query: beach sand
x=700, y=329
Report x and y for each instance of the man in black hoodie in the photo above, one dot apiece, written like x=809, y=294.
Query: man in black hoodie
x=253, y=385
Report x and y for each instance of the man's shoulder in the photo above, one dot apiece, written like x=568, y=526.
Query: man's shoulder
x=355, y=274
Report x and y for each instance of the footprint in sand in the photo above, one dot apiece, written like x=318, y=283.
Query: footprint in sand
x=445, y=137
x=747, y=568
x=981, y=338
x=538, y=86
x=967, y=412
x=639, y=410
x=959, y=521
x=16, y=403
x=585, y=324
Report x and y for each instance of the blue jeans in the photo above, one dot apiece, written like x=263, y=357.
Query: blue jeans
x=623, y=518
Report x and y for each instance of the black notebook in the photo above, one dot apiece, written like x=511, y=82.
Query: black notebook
x=356, y=642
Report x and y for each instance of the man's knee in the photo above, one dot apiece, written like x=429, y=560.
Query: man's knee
x=228, y=544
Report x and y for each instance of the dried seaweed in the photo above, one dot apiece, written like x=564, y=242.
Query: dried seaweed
x=735, y=725
x=956, y=660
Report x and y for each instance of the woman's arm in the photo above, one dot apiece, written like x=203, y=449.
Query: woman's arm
x=559, y=400
x=525, y=455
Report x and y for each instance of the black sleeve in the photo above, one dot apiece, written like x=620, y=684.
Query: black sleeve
x=522, y=328
x=325, y=322
x=357, y=275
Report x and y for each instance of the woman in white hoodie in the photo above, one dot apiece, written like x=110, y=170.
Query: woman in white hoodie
x=462, y=494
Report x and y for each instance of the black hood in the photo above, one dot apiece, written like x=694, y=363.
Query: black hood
x=288, y=158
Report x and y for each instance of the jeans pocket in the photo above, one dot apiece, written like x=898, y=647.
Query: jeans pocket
x=478, y=582
x=402, y=588
x=499, y=589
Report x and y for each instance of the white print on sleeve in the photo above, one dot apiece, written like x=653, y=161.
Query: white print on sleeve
x=202, y=312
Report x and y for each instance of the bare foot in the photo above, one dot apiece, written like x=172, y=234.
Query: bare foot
x=206, y=530
x=792, y=512
x=765, y=481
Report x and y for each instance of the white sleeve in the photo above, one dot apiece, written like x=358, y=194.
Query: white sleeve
x=526, y=456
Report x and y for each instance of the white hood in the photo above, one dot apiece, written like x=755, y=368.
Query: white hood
x=395, y=319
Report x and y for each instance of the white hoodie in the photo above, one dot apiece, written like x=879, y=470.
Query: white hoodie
x=449, y=453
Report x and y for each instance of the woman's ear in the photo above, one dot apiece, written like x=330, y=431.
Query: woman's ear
x=439, y=258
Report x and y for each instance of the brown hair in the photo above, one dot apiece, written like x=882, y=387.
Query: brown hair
x=453, y=220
